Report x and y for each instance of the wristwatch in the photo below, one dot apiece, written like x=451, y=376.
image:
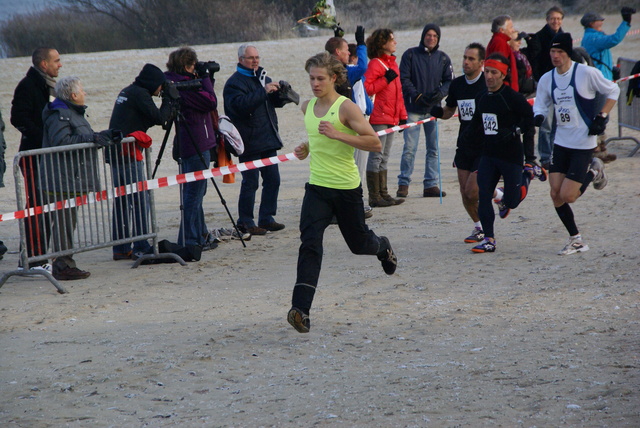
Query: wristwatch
x=603, y=114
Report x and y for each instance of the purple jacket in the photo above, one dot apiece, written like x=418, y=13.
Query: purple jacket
x=196, y=107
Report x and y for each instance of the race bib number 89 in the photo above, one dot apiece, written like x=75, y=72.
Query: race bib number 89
x=490, y=123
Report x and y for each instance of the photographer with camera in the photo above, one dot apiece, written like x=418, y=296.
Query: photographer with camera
x=250, y=100
x=195, y=137
x=135, y=110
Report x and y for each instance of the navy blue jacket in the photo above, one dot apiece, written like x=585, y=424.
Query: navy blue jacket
x=252, y=111
x=425, y=75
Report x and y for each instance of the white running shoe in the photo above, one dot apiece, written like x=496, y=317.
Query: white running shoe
x=600, y=178
x=575, y=245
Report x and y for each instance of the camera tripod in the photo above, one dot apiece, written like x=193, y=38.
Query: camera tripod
x=175, y=120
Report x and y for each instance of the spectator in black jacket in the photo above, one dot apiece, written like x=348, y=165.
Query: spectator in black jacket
x=29, y=99
x=538, y=52
x=250, y=101
x=134, y=110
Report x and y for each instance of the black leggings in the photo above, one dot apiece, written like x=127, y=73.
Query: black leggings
x=516, y=185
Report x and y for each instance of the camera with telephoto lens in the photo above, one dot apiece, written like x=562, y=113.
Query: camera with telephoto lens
x=209, y=67
x=172, y=89
x=286, y=94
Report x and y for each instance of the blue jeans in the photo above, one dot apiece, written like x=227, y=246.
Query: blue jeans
x=411, y=140
x=130, y=212
x=546, y=135
x=193, y=230
x=270, y=189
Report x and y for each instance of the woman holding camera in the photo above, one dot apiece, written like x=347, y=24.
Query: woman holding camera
x=193, y=141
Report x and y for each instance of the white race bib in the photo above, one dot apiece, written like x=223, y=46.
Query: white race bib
x=490, y=123
x=565, y=107
x=466, y=109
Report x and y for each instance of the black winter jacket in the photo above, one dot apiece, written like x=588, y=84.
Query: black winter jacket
x=425, y=75
x=29, y=99
x=252, y=111
x=538, y=51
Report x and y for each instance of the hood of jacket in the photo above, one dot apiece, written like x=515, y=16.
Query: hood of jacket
x=434, y=27
x=150, y=78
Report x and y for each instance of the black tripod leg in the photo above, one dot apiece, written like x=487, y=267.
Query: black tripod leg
x=162, y=147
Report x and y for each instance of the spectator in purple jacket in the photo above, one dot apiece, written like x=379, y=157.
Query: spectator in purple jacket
x=194, y=141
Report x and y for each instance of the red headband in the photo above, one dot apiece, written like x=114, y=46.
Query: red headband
x=498, y=65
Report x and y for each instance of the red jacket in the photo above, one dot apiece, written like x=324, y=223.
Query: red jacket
x=388, y=105
x=500, y=43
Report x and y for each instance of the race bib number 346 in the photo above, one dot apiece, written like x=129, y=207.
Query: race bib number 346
x=490, y=123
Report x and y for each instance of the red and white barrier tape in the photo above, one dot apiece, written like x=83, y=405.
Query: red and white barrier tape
x=158, y=183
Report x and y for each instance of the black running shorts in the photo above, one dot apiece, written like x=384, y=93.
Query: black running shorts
x=574, y=163
x=465, y=161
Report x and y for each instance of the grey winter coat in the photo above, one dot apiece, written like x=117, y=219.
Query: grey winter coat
x=70, y=173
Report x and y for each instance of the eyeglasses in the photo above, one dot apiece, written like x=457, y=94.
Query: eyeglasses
x=251, y=58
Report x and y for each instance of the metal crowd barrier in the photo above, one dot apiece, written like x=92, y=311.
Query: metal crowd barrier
x=628, y=115
x=80, y=198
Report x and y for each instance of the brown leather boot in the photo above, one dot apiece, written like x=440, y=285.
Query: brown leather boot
x=384, y=193
x=373, y=185
x=403, y=191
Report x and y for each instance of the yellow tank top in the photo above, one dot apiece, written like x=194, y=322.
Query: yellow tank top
x=331, y=164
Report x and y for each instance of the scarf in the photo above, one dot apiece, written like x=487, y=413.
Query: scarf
x=51, y=83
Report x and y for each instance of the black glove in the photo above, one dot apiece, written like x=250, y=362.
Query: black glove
x=104, y=138
x=626, y=13
x=390, y=75
x=537, y=121
x=338, y=31
x=523, y=35
x=360, y=35
x=598, y=125
x=437, y=111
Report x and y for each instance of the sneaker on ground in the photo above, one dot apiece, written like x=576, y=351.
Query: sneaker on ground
x=272, y=227
x=575, y=245
x=368, y=211
x=476, y=236
x=387, y=257
x=485, y=247
x=299, y=320
x=600, y=178
x=46, y=266
x=71, y=274
x=209, y=242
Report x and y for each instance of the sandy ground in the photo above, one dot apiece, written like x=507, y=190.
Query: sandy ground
x=521, y=337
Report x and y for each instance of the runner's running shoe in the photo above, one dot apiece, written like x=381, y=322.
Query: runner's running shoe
x=600, y=178
x=536, y=171
x=485, y=247
x=476, y=236
x=299, y=320
x=575, y=245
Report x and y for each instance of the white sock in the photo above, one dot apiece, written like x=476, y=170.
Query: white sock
x=499, y=195
x=478, y=225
